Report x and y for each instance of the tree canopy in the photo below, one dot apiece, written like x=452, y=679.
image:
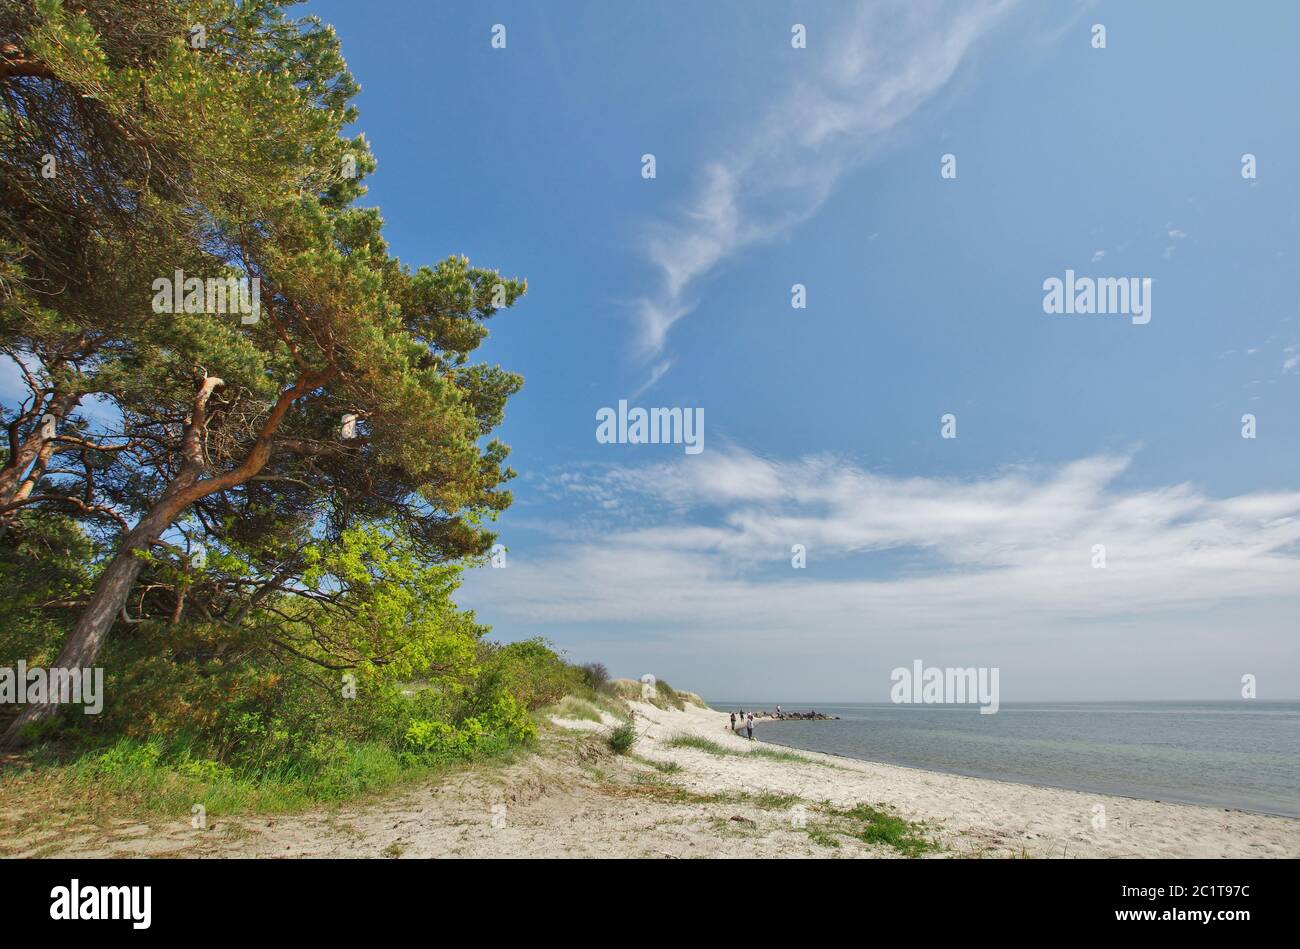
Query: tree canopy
x=307, y=478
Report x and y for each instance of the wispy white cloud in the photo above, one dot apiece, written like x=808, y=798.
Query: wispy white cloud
x=684, y=569
x=714, y=535
x=1175, y=233
x=878, y=69
x=657, y=372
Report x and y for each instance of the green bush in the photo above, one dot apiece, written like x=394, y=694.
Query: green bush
x=197, y=710
x=529, y=670
x=194, y=700
x=506, y=723
x=622, y=738
x=127, y=757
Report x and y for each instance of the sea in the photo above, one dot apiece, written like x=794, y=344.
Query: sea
x=1243, y=755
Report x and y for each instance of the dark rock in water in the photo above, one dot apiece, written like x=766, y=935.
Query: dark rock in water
x=808, y=716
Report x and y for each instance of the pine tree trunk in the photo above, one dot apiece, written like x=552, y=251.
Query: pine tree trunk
x=114, y=587
x=29, y=483
x=115, y=583
x=37, y=471
x=11, y=476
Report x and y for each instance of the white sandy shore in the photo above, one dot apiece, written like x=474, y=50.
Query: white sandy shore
x=575, y=798
x=975, y=814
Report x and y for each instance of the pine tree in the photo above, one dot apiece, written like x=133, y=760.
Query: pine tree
x=221, y=414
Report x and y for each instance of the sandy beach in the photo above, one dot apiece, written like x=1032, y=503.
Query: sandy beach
x=574, y=797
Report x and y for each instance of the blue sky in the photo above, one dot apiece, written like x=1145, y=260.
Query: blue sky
x=821, y=166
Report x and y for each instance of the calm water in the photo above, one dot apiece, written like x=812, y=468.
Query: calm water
x=1230, y=754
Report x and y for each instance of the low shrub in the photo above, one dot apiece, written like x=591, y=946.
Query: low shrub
x=622, y=738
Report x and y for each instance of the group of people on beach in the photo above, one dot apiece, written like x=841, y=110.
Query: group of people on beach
x=746, y=719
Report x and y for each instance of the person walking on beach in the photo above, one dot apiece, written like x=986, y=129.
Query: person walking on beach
x=733, y=721
x=749, y=725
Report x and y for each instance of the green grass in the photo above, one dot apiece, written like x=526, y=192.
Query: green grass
x=652, y=785
x=770, y=800
x=584, y=704
x=875, y=826
x=572, y=707
x=669, y=695
x=603, y=699
x=663, y=767
x=872, y=825
x=822, y=836
x=699, y=744
x=714, y=748
x=136, y=779
x=665, y=696
x=622, y=738
x=785, y=756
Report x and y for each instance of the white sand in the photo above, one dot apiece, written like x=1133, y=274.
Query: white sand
x=574, y=798
x=977, y=814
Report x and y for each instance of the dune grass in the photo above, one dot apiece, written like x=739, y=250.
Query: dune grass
x=823, y=837
x=721, y=751
x=663, y=767
x=664, y=695
x=575, y=708
x=872, y=825
x=656, y=787
x=622, y=738
x=881, y=827
x=605, y=699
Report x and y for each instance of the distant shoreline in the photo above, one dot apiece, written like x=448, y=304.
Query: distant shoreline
x=1032, y=784
x=1075, y=751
